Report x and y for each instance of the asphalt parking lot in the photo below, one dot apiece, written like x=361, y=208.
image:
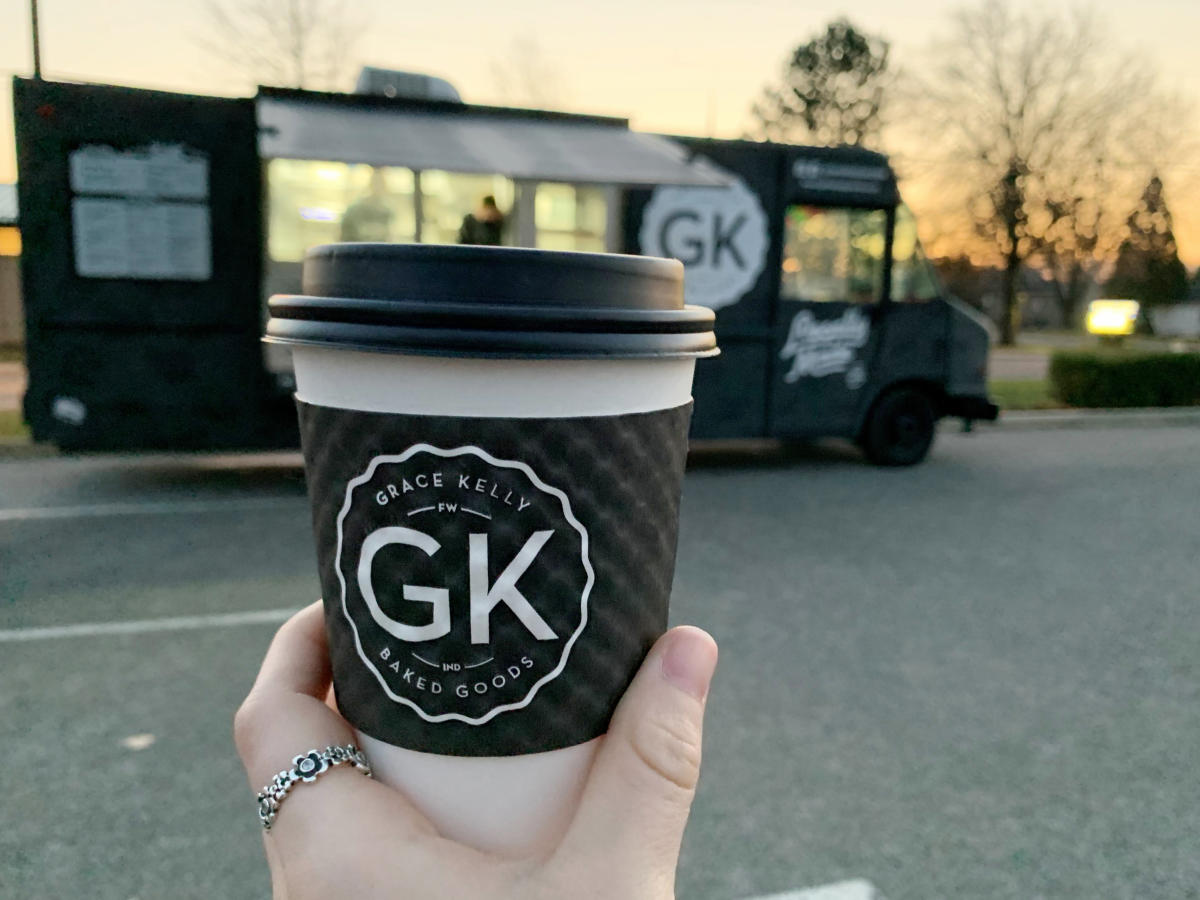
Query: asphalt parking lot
x=974, y=679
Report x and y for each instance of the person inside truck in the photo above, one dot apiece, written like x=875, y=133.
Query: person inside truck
x=485, y=226
x=369, y=218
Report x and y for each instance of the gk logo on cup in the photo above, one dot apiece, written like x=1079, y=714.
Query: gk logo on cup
x=719, y=234
x=465, y=580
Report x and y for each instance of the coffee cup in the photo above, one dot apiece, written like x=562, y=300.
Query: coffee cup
x=494, y=443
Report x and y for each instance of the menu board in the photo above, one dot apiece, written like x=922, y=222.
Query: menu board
x=141, y=213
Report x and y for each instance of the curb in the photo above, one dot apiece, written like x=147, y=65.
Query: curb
x=1047, y=419
x=22, y=448
x=1018, y=420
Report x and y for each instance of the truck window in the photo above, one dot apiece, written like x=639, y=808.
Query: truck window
x=913, y=278
x=570, y=217
x=446, y=197
x=311, y=202
x=833, y=255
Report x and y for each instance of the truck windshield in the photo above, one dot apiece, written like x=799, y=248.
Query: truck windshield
x=913, y=278
x=833, y=254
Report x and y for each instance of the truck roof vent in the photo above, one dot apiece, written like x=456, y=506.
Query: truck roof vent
x=414, y=85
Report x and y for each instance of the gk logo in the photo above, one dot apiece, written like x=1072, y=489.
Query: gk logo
x=484, y=597
x=719, y=234
x=691, y=230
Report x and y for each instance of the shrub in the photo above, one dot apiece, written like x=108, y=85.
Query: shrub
x=1098, y=379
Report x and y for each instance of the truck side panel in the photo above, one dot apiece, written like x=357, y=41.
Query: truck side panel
x=124, y=355
x=714, y=230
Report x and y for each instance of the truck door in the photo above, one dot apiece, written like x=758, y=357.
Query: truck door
x=826, y=334
x=142, y=256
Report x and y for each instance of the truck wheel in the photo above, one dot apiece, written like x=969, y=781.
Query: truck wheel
x=899, y=430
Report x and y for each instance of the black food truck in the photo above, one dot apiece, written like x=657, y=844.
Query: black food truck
x=156, y=225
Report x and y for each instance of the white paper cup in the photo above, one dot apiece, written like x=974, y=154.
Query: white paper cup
x=378, y=419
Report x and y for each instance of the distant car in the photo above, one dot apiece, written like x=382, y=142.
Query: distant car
x=1112, y=318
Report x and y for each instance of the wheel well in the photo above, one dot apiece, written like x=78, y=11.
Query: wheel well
x=931, y=389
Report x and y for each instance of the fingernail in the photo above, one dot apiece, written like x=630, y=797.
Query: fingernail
x=689, y=661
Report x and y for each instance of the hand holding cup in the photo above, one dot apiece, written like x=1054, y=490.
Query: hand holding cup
x=348, y=835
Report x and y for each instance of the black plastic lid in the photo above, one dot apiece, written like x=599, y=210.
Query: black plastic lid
x=491, y=301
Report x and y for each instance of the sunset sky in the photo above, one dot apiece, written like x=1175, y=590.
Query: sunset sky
x=675, y=66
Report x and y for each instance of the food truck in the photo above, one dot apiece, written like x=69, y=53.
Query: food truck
x=156, y=225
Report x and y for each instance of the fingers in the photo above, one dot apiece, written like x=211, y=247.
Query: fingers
x=637, y=799
x=298, y=659
x=286, y=715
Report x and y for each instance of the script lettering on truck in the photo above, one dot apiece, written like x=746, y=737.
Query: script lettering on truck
x=821, y=347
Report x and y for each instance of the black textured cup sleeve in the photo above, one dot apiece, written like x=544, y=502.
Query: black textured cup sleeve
x=491, y=584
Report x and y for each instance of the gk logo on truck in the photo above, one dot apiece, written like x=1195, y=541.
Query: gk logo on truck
x=719, y=234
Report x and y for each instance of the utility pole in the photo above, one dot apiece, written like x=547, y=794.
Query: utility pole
x=37, y=46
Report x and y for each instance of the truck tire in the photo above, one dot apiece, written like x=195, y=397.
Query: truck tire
x=900, y=428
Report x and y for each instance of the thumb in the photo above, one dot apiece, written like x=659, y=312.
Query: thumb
x=637, y=799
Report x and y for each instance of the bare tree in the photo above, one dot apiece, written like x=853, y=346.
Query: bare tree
x=1167, y=137
x=290, y=43
x=1081, y=224
x=1028, y=108
x=831, y=92
x=1074, y=217
x=524, y=77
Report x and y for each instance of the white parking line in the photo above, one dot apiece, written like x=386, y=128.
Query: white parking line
x=142, y=626
x=857, y=889
x=167, y=507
